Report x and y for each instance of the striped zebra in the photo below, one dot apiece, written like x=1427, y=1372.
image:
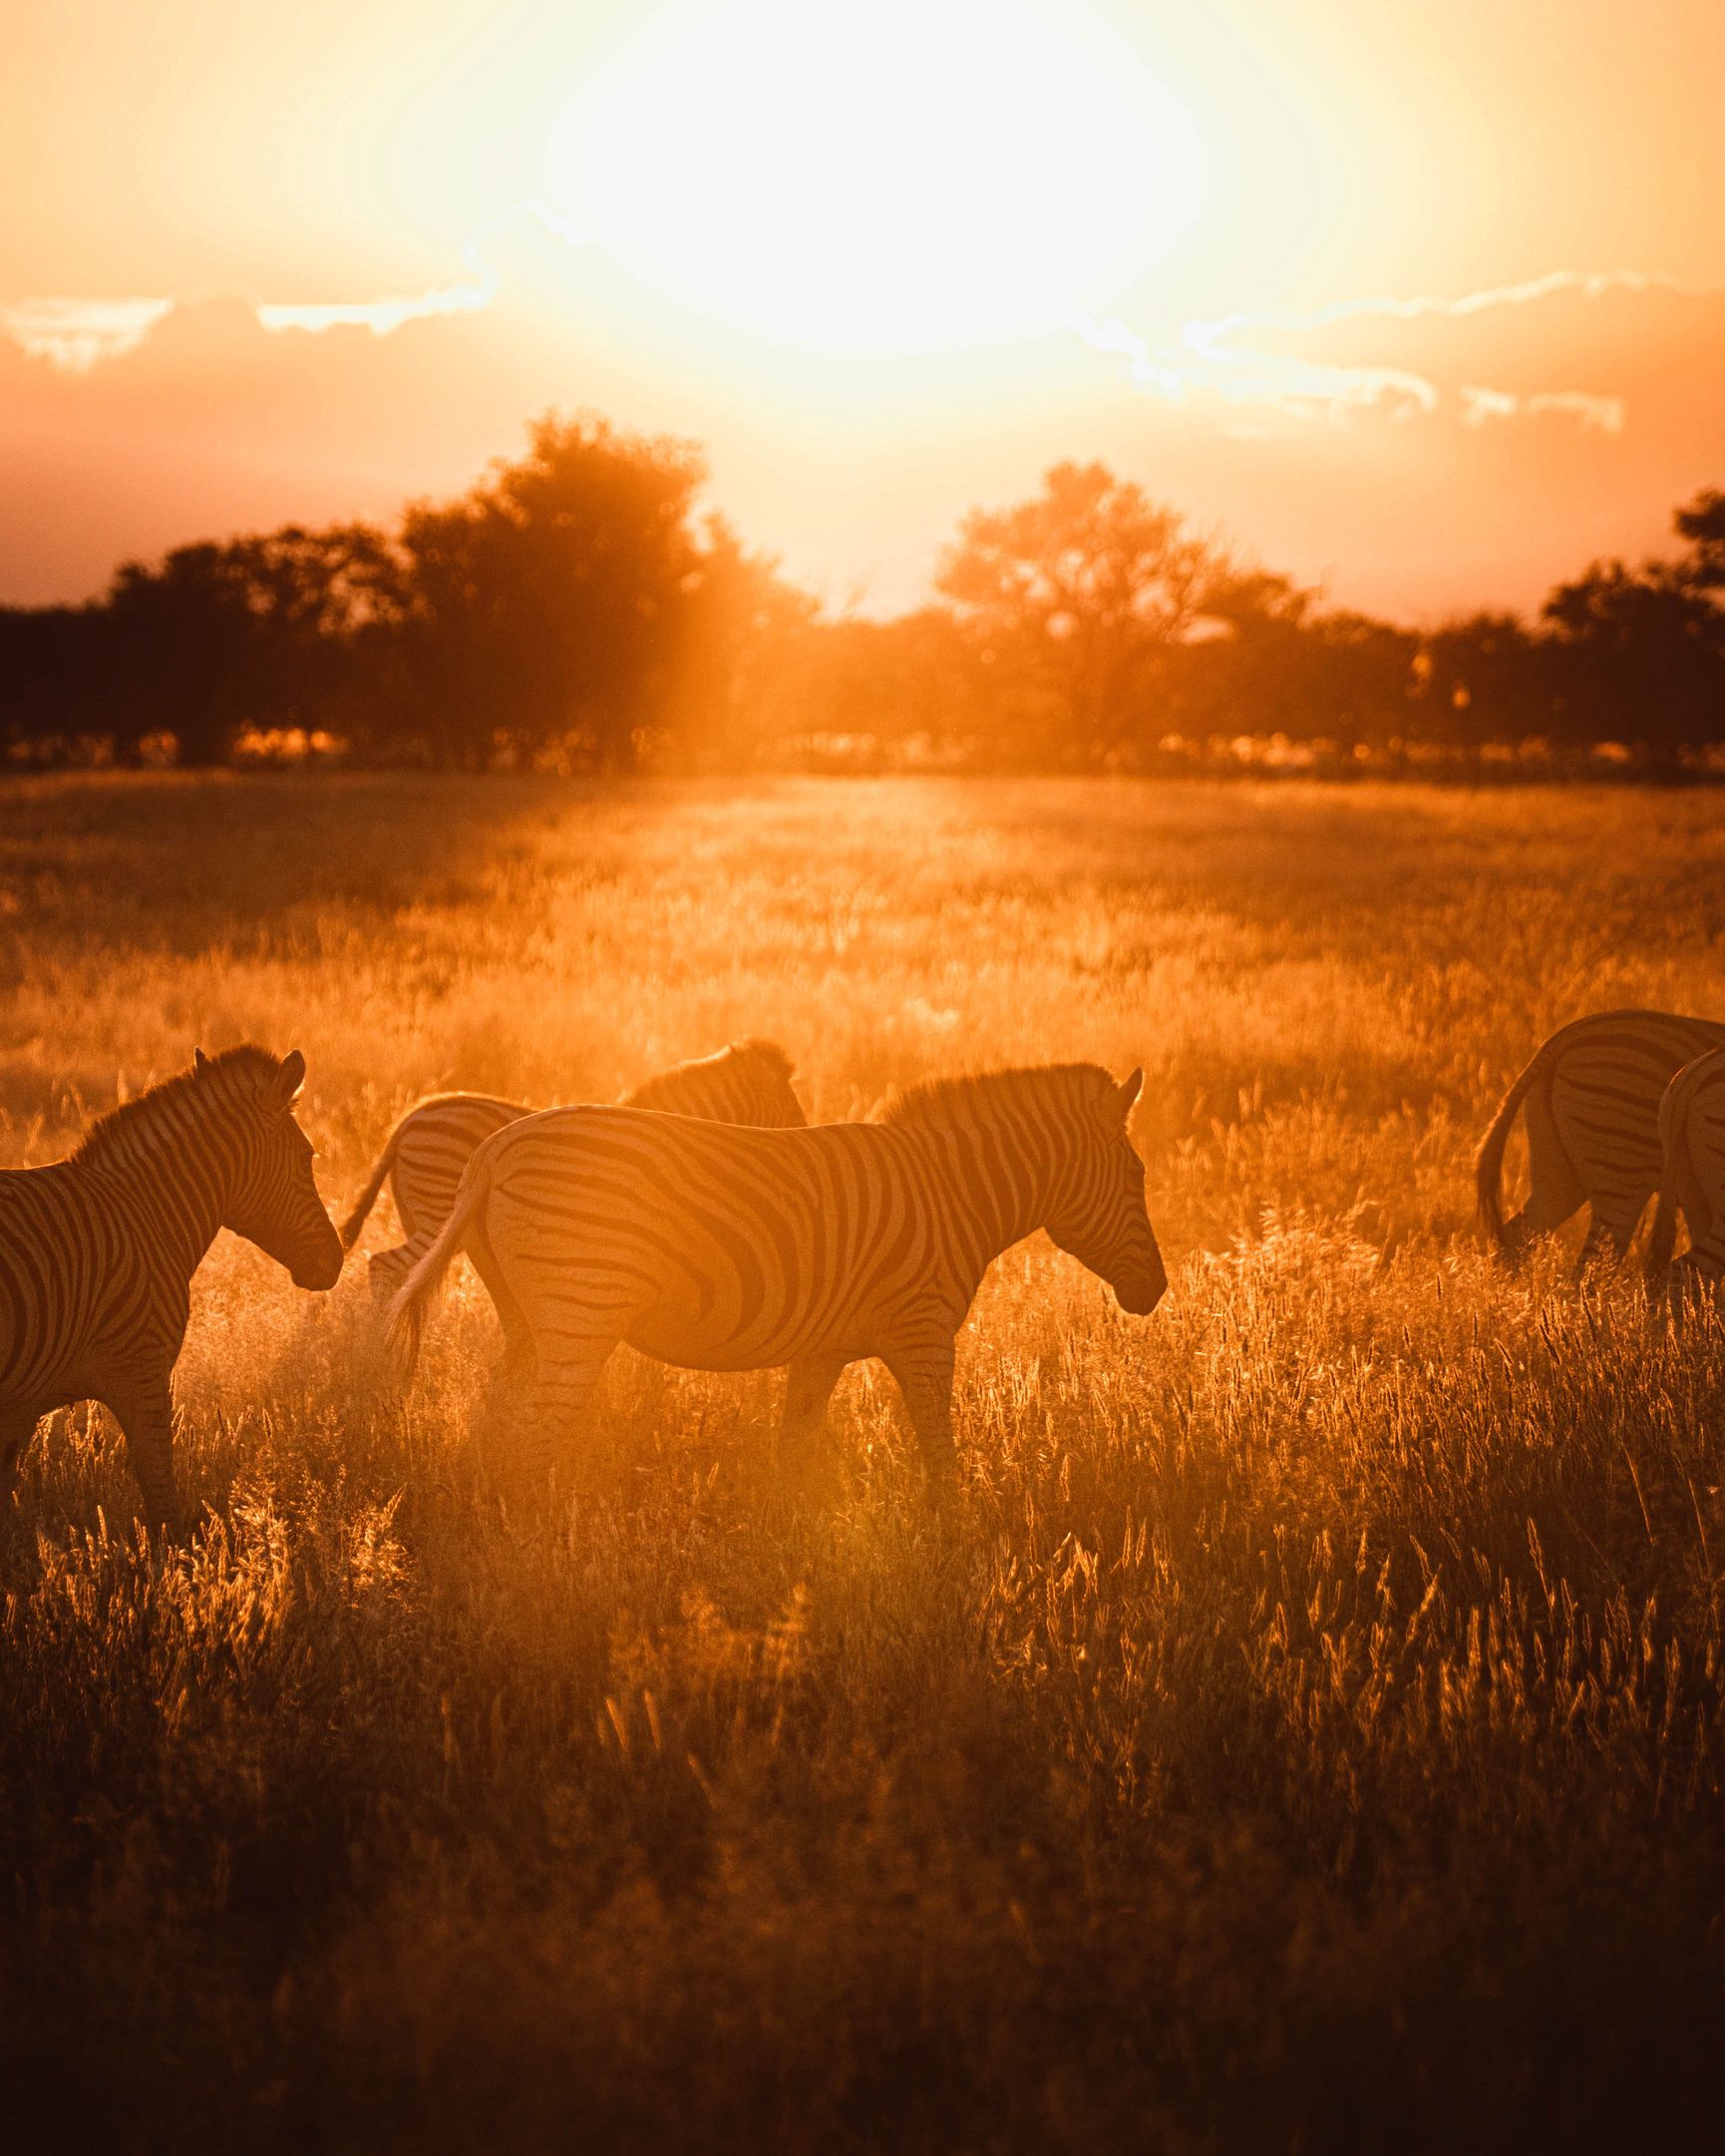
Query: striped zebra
x=721, y=1249
x=1692, y=1172
x=424, y=1155
x=1591, y=1101
x=97, y=1251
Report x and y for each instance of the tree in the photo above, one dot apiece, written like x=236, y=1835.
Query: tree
x=183, y=643
x=1640, y=657
x=1702, y=523
x=258, y=631
x=53, y=680
x=1483, y=677
x=1075, y=600
x=312, y=596
x=912, y=688
x=745, y=654
x=544, y=610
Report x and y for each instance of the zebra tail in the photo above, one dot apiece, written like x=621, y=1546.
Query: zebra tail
x=407, y=1311
x=1663, y=1238
x=1488, y=1160
x=367, y=1197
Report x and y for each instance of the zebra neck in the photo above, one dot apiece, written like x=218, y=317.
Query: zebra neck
x=1004, y=1194
x=177, y=1185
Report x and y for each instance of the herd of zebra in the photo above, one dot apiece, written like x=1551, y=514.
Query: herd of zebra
x=705, y=1222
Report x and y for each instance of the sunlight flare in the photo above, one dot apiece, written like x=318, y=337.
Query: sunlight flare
x=896, y=178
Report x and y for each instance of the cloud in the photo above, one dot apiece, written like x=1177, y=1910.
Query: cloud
x=1415, y=456
x=380, y=316
x=1202, y=364
x=76, y=333
x=1480, y=406
x=1587, y=283
x=1292, y=361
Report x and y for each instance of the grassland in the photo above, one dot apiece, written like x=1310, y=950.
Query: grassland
x=1311, y=1734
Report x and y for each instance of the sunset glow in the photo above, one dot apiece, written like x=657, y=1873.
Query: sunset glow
x=862, y=1076
x=890, y=176
x=1423, y=305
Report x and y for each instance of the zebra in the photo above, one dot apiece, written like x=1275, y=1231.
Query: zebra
x=97, y=1251
x=424, y=1155
x=1692, y=1172
x=1591, y=1100
x=724, y=1249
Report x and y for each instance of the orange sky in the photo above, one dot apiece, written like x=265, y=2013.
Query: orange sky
x=1427, y=301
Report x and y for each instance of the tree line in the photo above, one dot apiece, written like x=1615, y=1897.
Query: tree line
x=574, y=610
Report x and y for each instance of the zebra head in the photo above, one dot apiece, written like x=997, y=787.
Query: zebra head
x=1099, y=1214
x=748, y=1082
x=770, y=1099
x=272, y=1198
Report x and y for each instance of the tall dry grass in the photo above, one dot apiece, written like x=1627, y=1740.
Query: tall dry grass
x=1310, y=1735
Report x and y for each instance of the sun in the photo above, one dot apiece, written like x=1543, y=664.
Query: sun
x=877, y=174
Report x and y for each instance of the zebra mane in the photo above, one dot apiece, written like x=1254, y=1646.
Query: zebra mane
x=982, y=1096
x=131, y=1117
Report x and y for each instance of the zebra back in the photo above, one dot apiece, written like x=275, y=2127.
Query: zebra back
x=748, y=1082
x=426, y=1153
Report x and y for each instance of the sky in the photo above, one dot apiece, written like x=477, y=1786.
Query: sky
x=1424, y=302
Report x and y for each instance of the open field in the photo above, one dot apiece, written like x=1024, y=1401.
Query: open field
x=1309, y=1737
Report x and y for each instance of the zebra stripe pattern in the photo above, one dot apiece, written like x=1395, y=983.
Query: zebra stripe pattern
x=97, y=1251
x=424, y=1157
x=1692, y=1172
x=723, y=1248
x=1590, y=1097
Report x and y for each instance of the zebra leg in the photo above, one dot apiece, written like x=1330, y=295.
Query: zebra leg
x=386, y=1271
x=1696, y=1276
x=802, y=1427
x=924, y=1375
x=1548, y=1206
x=518, y=1351
x=559, y=1396
x=1609, y=1233
x=145, y=1417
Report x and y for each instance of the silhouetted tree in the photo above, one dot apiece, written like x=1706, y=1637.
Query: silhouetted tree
x=1483, y=678
x=1640, y=658
x=311, y=598
x=54, y=690
x=1702, y=523
x=569, y=609
x=1252, y=672
x=1074, y=599
x=1270, y=662
x=182, y=650
x=548, y=606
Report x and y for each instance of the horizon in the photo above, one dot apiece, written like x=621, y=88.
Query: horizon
x=1329, y=314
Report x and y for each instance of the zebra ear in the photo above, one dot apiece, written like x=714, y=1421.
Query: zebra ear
x=1126, y=1091
x=200, y=1062
x=285, y=1085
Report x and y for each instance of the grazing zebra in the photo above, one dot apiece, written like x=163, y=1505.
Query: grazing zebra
x=721, y=1249
x=97, y=1251
x=1692, y=1170
x=1592, y=1099
x=424, y=1155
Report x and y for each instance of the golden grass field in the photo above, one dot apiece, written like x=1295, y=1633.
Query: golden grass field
x=1308, y=1735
